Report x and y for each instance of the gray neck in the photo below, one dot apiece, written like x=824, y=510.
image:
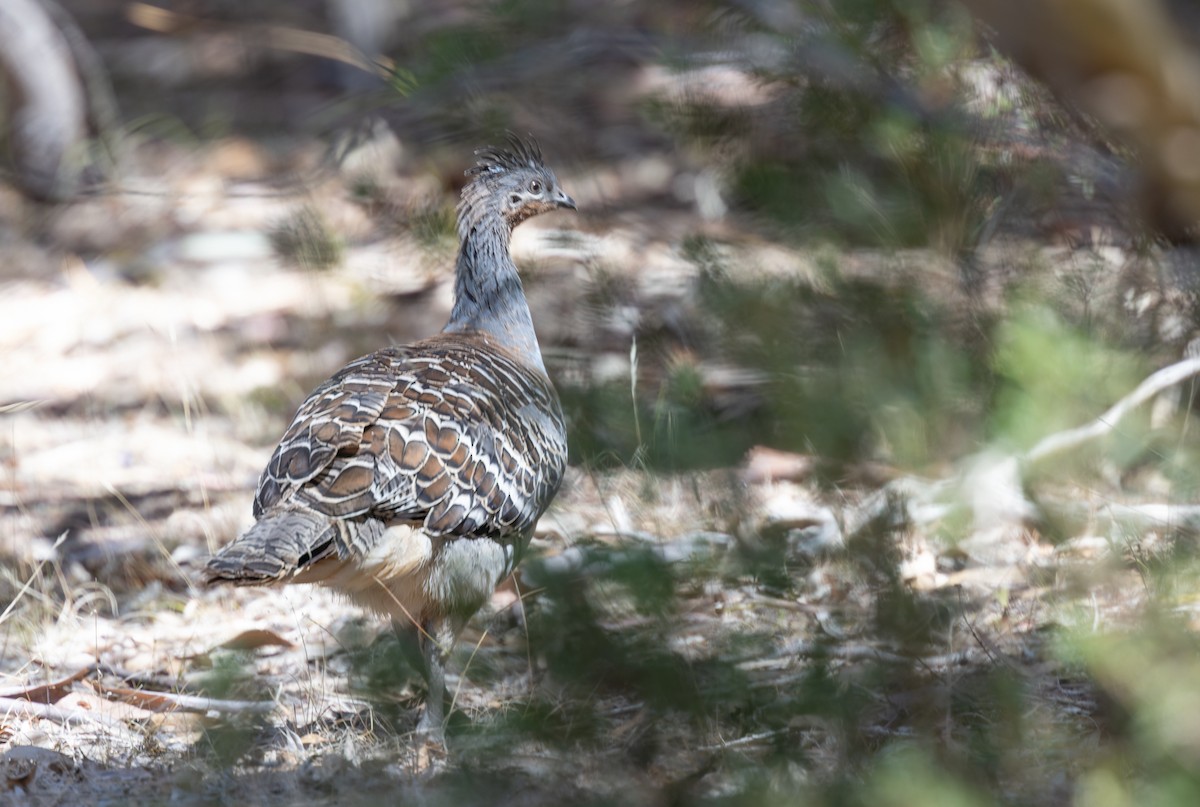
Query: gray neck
x=488, y=295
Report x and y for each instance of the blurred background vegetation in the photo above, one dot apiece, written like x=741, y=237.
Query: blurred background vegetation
x=840, y=265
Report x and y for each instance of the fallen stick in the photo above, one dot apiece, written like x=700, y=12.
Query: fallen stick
x=171, y=702
x=16, y=707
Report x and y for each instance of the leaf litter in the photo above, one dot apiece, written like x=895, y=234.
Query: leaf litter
x=132, y=444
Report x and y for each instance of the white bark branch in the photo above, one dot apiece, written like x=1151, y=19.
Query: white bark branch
x=1072, y=438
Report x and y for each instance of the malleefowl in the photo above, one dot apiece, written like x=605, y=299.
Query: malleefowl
x=412, y=479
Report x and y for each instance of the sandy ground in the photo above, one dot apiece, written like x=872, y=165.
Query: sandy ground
x=141, y=391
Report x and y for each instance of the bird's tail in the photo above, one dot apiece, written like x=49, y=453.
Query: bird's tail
x=275, y=549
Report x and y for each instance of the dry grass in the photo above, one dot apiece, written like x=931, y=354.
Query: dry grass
x=137, y=414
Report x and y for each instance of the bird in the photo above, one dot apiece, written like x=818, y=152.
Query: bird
x=411, y=480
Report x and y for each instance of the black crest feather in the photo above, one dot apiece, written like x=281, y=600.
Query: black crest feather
x=520, y=153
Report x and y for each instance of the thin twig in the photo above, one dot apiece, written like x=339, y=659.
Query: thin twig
x=863, y=652
x=749, y=738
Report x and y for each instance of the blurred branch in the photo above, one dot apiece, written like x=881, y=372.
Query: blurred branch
x=1073, y=438
x=992, y=487
x=295, y=40
x=102, y=114
x=46, y=105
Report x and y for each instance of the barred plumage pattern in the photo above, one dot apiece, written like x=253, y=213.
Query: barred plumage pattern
x=412, y=479
x=449, y=433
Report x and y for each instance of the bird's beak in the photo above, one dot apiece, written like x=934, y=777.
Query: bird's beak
x=562, y=200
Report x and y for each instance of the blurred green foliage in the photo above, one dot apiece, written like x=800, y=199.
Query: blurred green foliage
x=1147, y=680
x=232, y=735
x=871, y=146
x=882, y=154
x=305, y=239
x=849, y=369
x=1055, y=376
x=433, y=225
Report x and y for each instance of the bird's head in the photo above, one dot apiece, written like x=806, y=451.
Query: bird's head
x=514, y=181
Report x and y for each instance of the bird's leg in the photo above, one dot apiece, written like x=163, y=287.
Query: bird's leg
x=423, y=655
x=411, y=646
x=420, y=652
x=437, y=639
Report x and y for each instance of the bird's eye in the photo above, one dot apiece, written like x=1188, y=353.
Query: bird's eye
x=535, y=186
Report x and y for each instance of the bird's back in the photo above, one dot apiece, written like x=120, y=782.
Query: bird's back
x=398, y=455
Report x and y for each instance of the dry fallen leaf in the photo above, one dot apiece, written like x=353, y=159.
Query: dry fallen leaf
x=43, y=693
x=114, y=709
x=255, y=638
x=16, y=707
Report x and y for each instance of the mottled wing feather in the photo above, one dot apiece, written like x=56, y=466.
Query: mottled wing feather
x=452, y=433
x=330, y=421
